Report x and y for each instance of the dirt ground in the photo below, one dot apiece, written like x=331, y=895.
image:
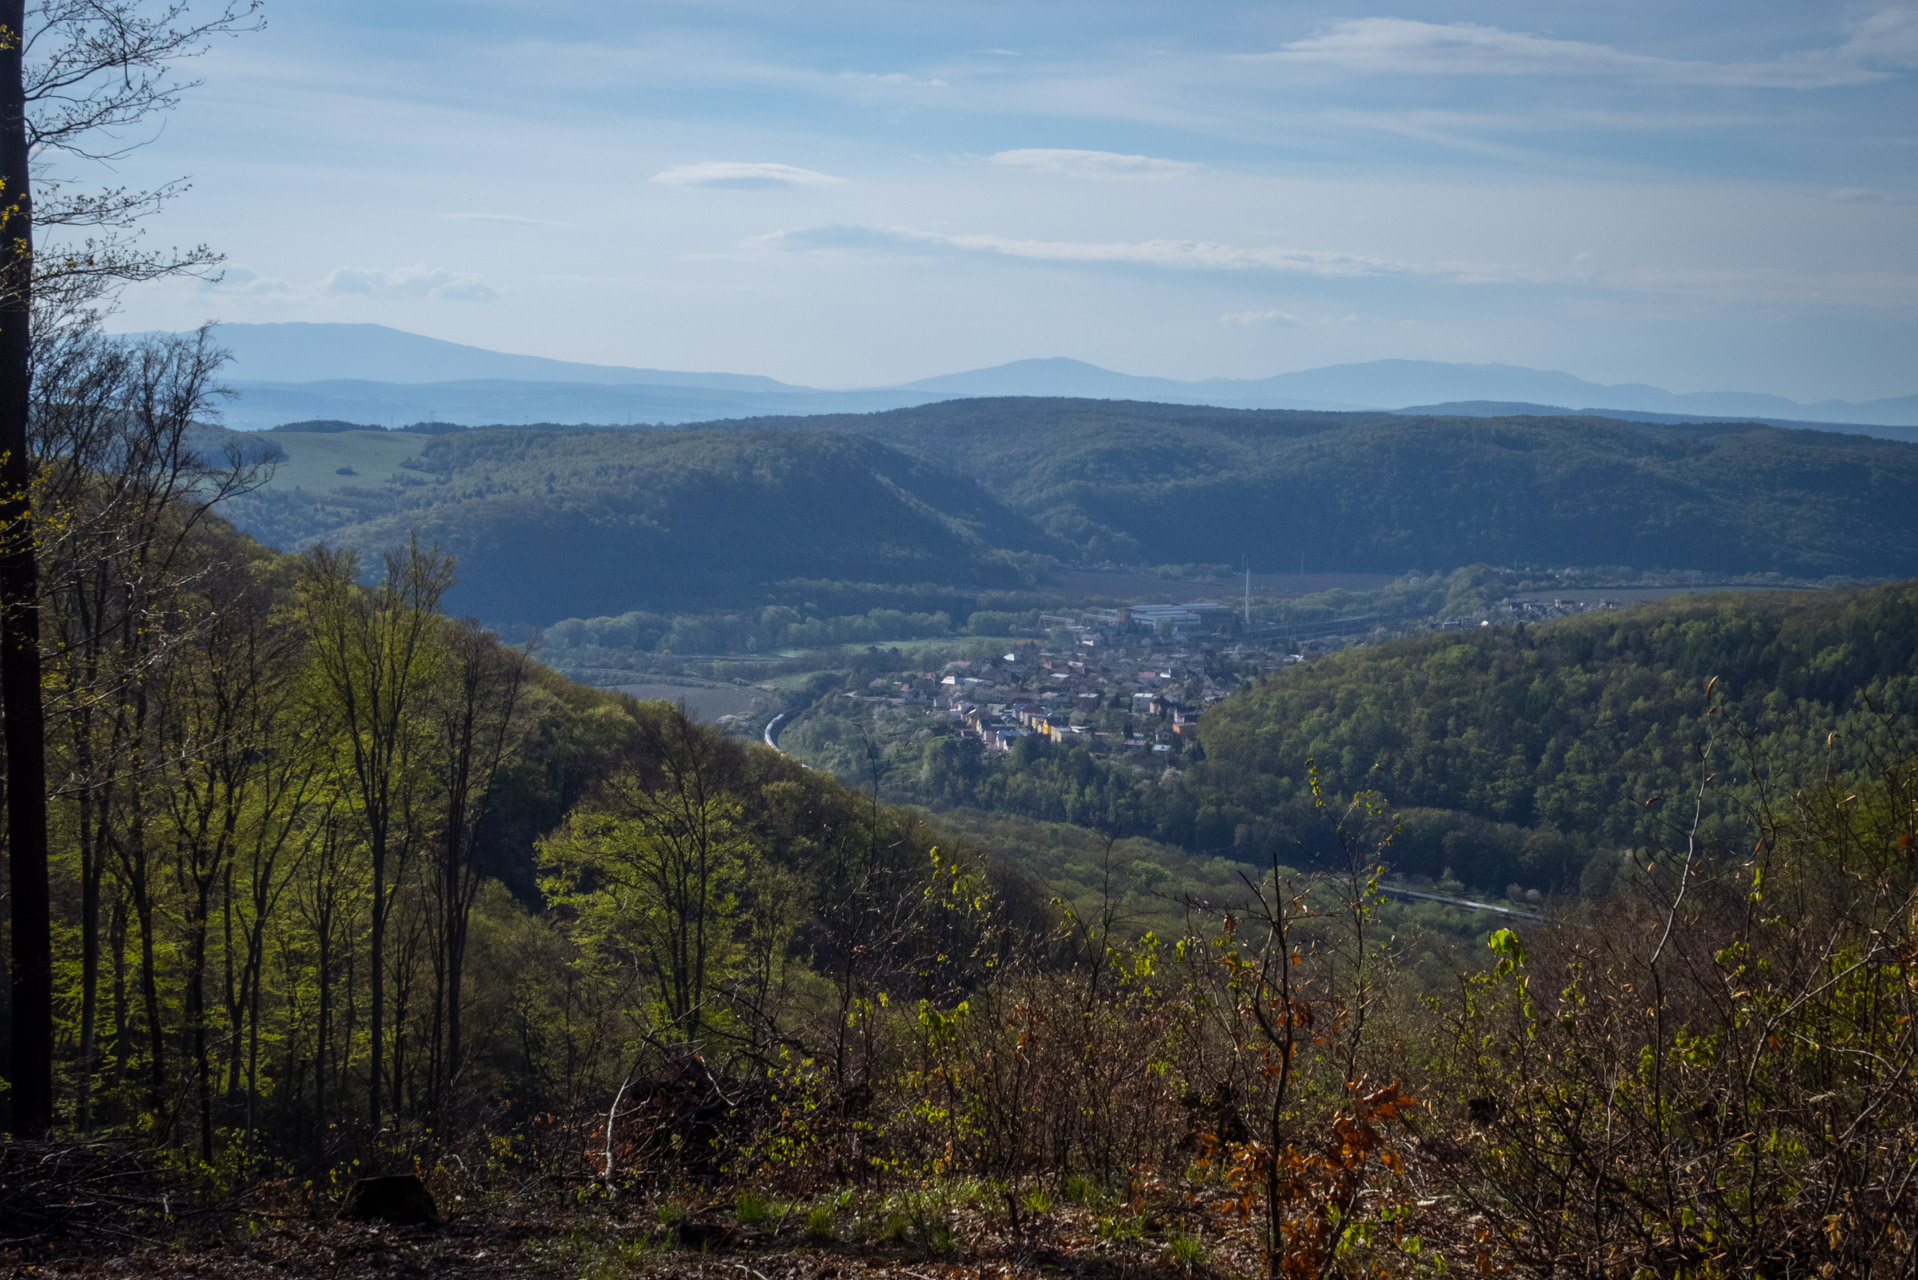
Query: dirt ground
x=549, y=1242
x=598, y=1248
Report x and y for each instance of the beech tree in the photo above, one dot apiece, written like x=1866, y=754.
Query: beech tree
x=375, y=662
x=74, y=74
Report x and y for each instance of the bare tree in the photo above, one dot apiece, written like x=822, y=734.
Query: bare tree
x=121, y=486
x=73, y=74
x=375, y=652
x=478, y=704
x=235, y=772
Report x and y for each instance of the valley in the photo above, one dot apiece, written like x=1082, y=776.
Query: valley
x=938, y=641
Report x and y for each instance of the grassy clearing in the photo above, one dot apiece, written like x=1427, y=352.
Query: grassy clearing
x=313, y=460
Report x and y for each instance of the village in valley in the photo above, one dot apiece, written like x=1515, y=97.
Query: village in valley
x=1129, y=683
x=1132, y=680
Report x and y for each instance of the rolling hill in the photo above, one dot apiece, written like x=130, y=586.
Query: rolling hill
x=1538, y=753
x=552, y=524
x=559, y=523
x=1154, y=484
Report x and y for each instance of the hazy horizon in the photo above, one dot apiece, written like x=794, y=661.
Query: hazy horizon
x=866, y=194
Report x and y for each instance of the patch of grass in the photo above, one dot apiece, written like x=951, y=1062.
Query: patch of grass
x=821, y=1222
x=1185, y=1251
x=592, y=1253
x=1036, y=1201
x=1122, y=1227
x=753, y=1209
x=918, y=1220
x=1084, y=1192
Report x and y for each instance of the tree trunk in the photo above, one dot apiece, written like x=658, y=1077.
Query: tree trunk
x=122, y=1035
x=376, y=961
x=196, y=1018
x=91, y=864
x=325, y=1022
x=31, y=1072
x=150, y=1000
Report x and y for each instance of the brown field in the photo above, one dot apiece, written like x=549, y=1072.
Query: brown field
x=703, y=702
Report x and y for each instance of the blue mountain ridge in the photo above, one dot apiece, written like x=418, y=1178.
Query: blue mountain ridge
x=374, y=374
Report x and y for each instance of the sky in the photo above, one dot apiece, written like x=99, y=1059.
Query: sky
x=1719, y=195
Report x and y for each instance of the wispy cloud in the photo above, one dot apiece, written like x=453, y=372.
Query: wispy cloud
x=742, y=175
x=1404, y=46
x=1094, y=166
x=238, y=279
x=511, y=219
x=1725, y=284
x=417, y=281
x=1283, y=319
x=1199, y=255
x=1870, y=195
x=1249, y=318
x=897, y=78
x=1888, y=38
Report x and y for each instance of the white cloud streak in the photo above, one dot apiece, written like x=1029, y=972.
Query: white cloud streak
x=243, y=280
x=1094, y=166
x=510, y=219
x=1876, y=288
x=417, y=281
x=1250, y=318
x=894, y=78
x=1199, y=255
x=1283, y=319
x=1404, y=46
x=742, y=175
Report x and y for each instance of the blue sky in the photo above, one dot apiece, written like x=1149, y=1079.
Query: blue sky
x=1700, y=196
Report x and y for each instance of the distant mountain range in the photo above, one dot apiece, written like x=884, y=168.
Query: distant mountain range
x=372, y=374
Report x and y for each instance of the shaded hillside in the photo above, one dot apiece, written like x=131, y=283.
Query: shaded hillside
x=1530, y=748
x=557, y=523
x=1149, y=483
x=549, y=524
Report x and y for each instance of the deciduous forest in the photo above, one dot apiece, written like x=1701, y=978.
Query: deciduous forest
x=343, y=884
x=346, y=938
x=977, y=495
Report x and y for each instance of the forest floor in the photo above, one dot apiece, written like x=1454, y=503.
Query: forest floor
x=597, y=1247
x=101, y=1209
x=549, y=1244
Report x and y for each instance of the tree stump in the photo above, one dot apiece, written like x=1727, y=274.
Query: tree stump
x=400, y=1199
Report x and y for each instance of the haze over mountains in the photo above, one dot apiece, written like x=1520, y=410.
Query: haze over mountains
x=377, y=375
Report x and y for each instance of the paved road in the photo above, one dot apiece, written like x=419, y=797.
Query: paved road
x=1467, y=903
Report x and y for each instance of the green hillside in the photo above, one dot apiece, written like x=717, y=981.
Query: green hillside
x=551, y=524
x=1159, y=484
x=1519, y=753
x=556, y=523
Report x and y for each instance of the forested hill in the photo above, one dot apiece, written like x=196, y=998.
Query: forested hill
x=555, y=523
x=552, y=524
x=1520, y=753
x=1156, y=483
